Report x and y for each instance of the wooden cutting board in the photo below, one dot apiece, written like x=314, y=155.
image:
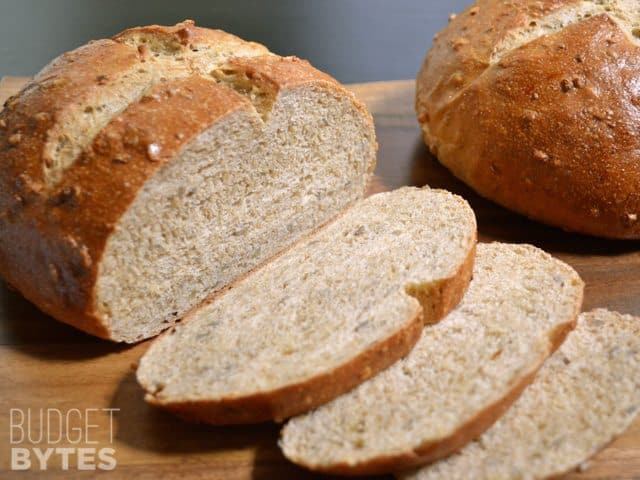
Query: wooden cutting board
x=48, y=365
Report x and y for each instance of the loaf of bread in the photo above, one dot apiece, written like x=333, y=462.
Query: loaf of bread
x=321, y=318
x=585, y=395
x=459, y=378
x=140, y=174
x=535, y=105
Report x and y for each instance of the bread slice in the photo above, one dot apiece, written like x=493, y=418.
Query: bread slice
x=141, y=174
x=460, y=377
x=587, y=393
x=323, y=317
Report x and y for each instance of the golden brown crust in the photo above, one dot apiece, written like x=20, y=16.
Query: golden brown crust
x=440, y=298
x=270, y=71
x=473, y=428
x=462, y=51
x=30, y=249
x=296, y=399
x=185, y=35
x=550, y=130
x=52, y=234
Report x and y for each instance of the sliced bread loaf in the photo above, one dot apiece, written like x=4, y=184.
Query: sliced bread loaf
x=587, y=393
x=140, y=174
x=460, y=377
x=321, y=318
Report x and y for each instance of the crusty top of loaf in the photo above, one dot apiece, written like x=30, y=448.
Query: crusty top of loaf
x=78, y=141
x=533, y=103
x=462, y=52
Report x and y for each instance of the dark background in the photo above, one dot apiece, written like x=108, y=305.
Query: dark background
x=354, y=40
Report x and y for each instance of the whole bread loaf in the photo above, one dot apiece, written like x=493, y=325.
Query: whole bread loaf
x=535, y=105
x=585, y=395
x=321, y=318
x=141, y=173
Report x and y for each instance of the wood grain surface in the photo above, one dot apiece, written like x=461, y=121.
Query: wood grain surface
x=48, y=365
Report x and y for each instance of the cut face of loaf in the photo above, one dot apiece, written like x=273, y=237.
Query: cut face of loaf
x=534, y=105
x=143, y=173
x=321, y=318
x=459, y=378
x=585, y=395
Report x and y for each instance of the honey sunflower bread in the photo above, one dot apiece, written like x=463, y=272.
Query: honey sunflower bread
x=321, y=318
x=585, y=395
x=461, y=376
x=535, y=105
x=141, y=173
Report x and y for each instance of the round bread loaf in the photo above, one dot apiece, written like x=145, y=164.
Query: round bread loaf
x=536, y=105
x=140, y=174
